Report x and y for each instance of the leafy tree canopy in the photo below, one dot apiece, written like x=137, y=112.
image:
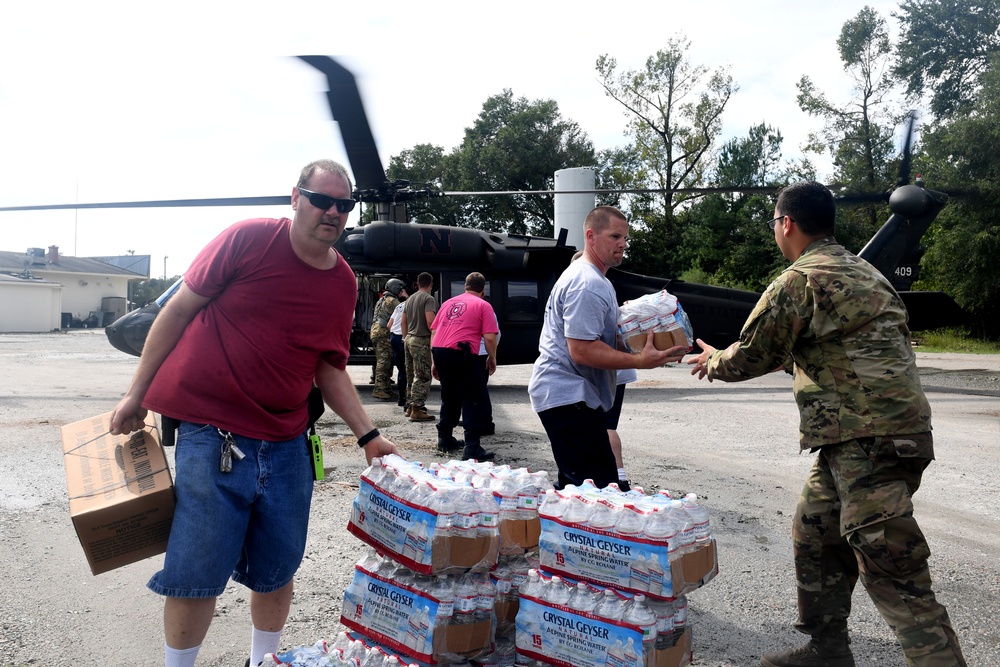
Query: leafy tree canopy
x=944, y=50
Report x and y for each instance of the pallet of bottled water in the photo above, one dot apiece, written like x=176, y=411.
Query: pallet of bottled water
x=651, y=544
x=576, y=624
x=447, y=517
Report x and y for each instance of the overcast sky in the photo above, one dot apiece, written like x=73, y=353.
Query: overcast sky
x=122, y=101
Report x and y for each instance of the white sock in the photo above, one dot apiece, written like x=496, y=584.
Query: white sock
x=621, y=473
x=263, y=642
x=180, y=657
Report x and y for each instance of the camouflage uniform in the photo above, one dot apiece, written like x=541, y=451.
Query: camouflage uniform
x=380, y=339
x=863, y=410
x=418, y=369
x=417, y=344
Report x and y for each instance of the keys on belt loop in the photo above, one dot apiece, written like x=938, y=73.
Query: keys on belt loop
x=229, y=451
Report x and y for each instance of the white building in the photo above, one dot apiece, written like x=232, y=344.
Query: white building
x=42, y=291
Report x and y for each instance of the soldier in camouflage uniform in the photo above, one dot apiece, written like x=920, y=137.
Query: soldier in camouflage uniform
x=865, y=415
x=394, y=289
x=418, y=313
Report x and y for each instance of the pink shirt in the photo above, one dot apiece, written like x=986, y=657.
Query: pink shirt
x=246, y=362
x=465, y=317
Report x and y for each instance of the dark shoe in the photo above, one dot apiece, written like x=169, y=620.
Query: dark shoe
x=814, y=653
x=624, y=486
x=402, y=400
x=418, y=413
x=381, y=394
x=450, y=444
x=476, y=452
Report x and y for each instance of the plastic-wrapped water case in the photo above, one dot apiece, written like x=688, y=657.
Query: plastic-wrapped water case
x=430, y=524
x=435, y=620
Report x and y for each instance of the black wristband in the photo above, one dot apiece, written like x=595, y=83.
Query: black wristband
x=368, y=437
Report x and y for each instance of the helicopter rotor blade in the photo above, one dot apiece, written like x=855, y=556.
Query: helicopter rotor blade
x=904, y=165
x=604, y=191
x=348, y=110
x=283, y=200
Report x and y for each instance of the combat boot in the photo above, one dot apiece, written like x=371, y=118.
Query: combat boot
x=381, y=394
x=814, y=653
x=406, y=411
x=476, y=452
x=449, y=444
x=418, y=413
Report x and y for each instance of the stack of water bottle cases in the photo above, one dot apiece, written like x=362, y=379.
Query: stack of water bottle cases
x=478, y=563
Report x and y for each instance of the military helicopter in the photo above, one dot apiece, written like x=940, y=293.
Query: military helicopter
x=521, y=270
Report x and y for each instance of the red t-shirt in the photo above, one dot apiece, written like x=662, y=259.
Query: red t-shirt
x=465, y=317
x=246, y=362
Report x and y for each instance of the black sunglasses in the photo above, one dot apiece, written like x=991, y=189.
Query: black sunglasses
x=326, y=202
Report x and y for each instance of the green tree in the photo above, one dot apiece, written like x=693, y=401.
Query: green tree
x=964, y=241
x=515, y=145
x=425, y=167
x=674, y=110
x=724, y=239
x=944, y=50
x=858, y=134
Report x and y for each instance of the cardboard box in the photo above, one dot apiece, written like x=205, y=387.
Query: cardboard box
x=678, y=655
x=700, y=566
x=121, y=494
x=519, y=533
x=662, y=340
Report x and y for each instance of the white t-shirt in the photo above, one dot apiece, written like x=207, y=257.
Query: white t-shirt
x=397, y=319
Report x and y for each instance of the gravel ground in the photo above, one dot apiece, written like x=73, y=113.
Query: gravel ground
x=736, y=445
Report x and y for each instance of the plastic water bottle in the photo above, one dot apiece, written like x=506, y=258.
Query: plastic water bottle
x=485, y=598
x=527, y=496
x=680, y=617
x=443, y=591
x=553, y=505
x=605, y=515
x=532, y=586
x=578, y=510
x=611, y=606
x=699, y=516
x=489, y=514
x=518, y=574
x=465, y=601
x=556, y=591
x=686, y=534
x=641, y=615
x=631, y=522
x=501, y=576
x=442, y=503
x=583, y=597
x=465, y=522
x=664, y=611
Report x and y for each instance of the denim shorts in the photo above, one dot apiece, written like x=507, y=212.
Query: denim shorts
x=249, y=524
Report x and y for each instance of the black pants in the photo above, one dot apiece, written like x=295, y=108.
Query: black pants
x=580, y=444
x=462, y=393
x=399, y=361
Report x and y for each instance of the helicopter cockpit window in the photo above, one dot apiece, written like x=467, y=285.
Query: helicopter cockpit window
x=522, y=301
x=458, y=287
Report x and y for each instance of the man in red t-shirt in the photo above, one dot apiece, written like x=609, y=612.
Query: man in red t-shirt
x=461, y=323
x=264, y=311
